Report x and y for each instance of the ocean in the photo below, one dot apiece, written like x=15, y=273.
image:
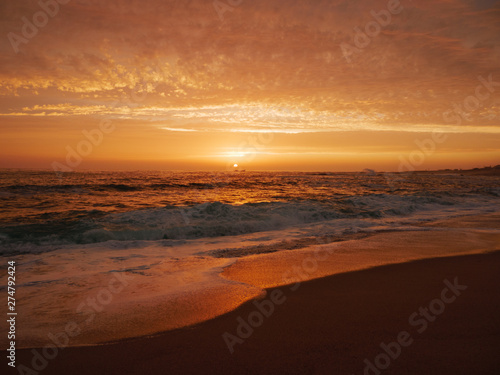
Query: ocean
x=42, y=211
x=168, y=237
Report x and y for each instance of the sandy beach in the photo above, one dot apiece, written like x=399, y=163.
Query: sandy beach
x=329, y=326
x=106, y=292
x=415, y=316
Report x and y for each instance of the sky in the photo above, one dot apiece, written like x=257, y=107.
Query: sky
x=313, y=85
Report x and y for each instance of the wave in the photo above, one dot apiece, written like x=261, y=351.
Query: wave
x=216, y=219
x=89, y=188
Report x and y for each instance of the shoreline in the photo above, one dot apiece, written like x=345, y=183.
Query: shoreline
x=328, y=324
x=244, y=279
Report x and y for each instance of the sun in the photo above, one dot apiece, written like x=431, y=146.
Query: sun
x=235, y=165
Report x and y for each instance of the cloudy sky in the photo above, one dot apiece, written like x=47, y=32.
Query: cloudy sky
x=269, y=84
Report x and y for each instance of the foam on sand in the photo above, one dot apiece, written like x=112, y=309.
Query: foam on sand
x=272, y=270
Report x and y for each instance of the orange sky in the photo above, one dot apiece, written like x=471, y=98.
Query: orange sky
x=268, y=84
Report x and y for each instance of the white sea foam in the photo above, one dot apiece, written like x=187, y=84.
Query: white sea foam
x=218, y=219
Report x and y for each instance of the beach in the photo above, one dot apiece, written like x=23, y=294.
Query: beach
x=328, y=326
x=337, y=324
x=114, y=275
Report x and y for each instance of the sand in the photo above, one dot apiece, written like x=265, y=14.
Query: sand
x=311, y=323
x=329, y=326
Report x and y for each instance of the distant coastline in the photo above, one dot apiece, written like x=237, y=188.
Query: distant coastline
x=485, y=171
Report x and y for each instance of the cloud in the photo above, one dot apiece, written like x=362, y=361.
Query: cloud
x=270, y=65
x=177, y=129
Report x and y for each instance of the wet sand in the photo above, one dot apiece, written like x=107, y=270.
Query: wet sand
x=329, y=326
